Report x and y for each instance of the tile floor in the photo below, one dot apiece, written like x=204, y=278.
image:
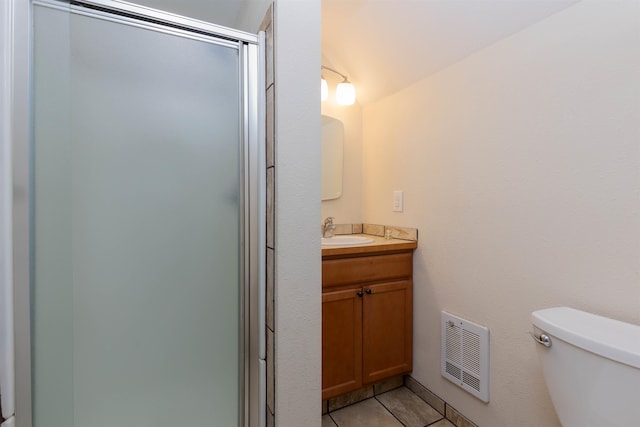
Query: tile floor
x=396, y=408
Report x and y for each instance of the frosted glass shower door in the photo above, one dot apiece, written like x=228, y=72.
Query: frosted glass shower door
x=137, y=221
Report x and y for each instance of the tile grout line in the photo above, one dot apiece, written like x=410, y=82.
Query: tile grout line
x=399, y=420
x=389, y=410
x=334, y=421
x=375, y=396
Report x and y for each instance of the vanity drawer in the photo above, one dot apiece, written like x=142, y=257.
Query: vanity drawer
x=345, y=271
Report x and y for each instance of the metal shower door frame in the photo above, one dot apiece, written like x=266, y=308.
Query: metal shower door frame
x=251, y=54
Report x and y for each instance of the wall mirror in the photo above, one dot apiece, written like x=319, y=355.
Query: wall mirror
x=332, y=157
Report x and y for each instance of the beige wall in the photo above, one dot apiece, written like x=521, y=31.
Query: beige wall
x=348, y=208
x=521, y=169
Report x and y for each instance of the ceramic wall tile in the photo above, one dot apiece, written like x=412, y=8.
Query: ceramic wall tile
x=344, y=229
x=350, y=398
x=387, y=385
x=373, y=229
x=270, y=207
x=270, y=295
x=268, y=27
x=268, y=23
x=270, y=128
x=271, y=419
x=403, y=233
x=425, y=394
x=457, y=418
x=270, y=372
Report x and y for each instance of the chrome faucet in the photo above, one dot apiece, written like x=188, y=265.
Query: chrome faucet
x=329, y=228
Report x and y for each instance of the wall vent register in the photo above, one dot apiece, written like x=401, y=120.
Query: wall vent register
x=465, y=355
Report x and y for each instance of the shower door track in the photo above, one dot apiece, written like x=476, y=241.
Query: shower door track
x=253, y=202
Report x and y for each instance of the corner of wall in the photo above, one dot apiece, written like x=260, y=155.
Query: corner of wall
x=296, y=204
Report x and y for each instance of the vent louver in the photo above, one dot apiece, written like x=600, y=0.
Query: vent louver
x=465, y=355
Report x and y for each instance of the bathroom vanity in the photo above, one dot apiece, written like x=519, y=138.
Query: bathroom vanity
x=367, y=314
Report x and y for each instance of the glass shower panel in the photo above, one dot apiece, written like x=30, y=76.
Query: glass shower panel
x=137, y=225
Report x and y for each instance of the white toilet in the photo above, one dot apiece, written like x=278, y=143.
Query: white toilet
x=591, y=365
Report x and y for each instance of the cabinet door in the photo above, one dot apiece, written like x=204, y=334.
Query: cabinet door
x=387, y=330
x=341, y=342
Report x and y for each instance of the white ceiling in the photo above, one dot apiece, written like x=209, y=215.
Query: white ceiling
x=387, y=45
x=221, y=12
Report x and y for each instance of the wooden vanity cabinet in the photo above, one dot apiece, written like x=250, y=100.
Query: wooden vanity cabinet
x=367, y=319
x=341, y=341
x=387, y=331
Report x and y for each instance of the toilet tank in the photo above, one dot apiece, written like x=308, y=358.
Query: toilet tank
x=592, y=369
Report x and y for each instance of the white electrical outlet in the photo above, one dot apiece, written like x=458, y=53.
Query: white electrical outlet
x=398, y=201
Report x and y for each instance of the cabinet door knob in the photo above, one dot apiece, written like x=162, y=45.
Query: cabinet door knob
x=360, y=294
x=368, y=291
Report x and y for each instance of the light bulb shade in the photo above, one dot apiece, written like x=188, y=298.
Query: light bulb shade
x=345, y=93
x=324, y=90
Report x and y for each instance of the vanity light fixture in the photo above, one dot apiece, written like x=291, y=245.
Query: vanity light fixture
x=345, y=91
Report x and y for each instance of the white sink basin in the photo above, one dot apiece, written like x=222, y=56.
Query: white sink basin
x=345, y=240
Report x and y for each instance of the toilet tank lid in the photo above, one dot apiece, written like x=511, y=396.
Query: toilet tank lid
x=606, y=337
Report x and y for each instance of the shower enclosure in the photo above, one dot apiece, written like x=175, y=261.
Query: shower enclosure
x=142, y=218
